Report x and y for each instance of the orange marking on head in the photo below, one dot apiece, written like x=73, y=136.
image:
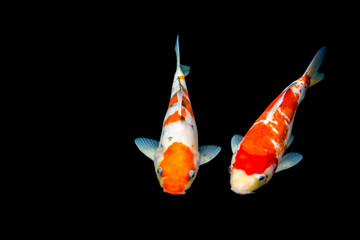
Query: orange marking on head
x=256, y=152
x=252, y=163
x=177, y=163
x=175, y=117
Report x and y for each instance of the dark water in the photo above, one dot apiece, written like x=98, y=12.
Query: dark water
x=118, y=89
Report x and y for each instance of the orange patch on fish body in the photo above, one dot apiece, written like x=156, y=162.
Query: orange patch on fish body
x=173, y=100
x=175, y=117
x=186, y=103
x=185, y=92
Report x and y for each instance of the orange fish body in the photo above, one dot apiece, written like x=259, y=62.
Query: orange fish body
x=177, y=156
x=259, y=154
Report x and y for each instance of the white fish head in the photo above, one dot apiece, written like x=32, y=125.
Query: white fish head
x=241, y=183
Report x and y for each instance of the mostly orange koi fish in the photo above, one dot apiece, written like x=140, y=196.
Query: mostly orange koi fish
x=259, y=154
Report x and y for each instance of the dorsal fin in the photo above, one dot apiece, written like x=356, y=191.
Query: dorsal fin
x=276, y=105
x=279, y=101
x=179, y=97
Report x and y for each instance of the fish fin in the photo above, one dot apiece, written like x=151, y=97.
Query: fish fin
x=277, y=104
x=235, y=141
x=208, y=152
x=291, y=139
x=288, y=161
x=314, y=66
x=177, y=51
x=179, y=97
x=147, y=146
x=279, y=101
x=185, y=69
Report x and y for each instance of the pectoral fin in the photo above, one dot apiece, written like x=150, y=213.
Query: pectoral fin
x=235, y=141
x=208, y=152
x=291, y=139
x=289, y=160
x=147, y=146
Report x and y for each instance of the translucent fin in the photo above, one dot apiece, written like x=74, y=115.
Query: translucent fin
x=314, y=66
x=235, y=141
x=147, y=146
x=289, y=160
x=208, y=152
x=185, y=69
x=291, y=139
x=177, y=51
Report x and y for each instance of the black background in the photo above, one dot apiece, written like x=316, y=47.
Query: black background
x=112, y=82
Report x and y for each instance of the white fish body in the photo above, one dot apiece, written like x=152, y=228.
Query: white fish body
x=176, y=156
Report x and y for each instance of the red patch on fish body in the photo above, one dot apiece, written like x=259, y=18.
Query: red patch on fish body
x=256, y=153
x=266, y=139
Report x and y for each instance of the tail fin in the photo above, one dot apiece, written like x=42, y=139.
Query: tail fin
x=177, y=51
x=185, y=69
x=314, y=66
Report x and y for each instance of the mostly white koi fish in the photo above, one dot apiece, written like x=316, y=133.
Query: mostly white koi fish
x=176, y=156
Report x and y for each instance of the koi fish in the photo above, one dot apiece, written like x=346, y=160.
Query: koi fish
x=259, y=154
x=176, y=156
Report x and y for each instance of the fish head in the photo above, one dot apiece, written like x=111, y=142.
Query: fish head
x=245, y=182
x=242, y=183
x=176, y=168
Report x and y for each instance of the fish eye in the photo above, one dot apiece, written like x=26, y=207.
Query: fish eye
x=261, y=177
x=191, y=173
x=159, y=170
x=230, y=168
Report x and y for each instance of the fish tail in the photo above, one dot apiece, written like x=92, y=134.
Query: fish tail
x=313, y=68
x=179, y=67
x=177, y=51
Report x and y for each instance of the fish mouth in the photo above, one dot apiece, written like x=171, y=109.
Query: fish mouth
x=241, y=188
x=242, y=192
x=174, y=192
x=174, y=187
